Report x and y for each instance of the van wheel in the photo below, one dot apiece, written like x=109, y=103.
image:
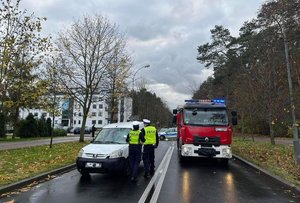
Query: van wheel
x=84, y=173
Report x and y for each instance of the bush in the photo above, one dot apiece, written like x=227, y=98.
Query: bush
x=280, y=130
x=27, y=127
x=59, y=132
x=42, y=127
x=2, y=125
x=48, y=125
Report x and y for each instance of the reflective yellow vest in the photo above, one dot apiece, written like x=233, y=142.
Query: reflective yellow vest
x=134, y=136
x=150, y=135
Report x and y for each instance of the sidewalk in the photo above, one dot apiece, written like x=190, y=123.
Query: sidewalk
x=31, y=143
x=262, y=138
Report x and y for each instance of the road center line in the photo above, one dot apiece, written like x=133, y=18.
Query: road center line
x=153, y=179
x=162, y=177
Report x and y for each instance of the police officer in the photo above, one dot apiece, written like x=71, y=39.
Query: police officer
x=151, y=137
x=135, y=139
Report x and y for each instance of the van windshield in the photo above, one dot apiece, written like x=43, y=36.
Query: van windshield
x=112, y=136
x=205, y=117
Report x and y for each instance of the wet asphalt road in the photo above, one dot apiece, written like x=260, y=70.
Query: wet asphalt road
x=197, y=180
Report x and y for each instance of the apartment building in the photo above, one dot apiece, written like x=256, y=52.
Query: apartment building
x=71, y=113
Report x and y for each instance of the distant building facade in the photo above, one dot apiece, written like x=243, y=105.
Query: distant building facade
x=71, y=113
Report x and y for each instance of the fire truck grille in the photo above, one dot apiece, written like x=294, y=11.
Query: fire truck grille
x=206, y=141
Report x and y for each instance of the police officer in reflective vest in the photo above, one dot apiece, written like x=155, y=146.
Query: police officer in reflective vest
x=151, y=137
x=135, y=139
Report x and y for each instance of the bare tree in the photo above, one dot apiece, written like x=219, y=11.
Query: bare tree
x=118, y=72
x=86, y=51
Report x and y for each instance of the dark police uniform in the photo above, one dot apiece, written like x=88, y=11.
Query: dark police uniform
x=152, y=140
x=134, y=138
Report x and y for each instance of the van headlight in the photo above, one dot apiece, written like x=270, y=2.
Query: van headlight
x=116, y=154
x=80, y=154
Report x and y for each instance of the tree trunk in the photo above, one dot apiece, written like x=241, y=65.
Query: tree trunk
x=271, y=130
x=52, y=129
x=82, y=130
x=15, y=122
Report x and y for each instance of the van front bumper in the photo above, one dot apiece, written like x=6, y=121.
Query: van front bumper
x=100, y=165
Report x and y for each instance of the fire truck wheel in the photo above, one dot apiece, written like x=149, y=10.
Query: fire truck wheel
x=224, y=162
x=180, y=157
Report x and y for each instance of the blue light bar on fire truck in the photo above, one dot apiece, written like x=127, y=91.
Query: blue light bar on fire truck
x=218, y=101
x=215, y=101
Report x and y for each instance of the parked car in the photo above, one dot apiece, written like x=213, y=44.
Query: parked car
x=108, y=152
x=170, y=133
x=77, y=130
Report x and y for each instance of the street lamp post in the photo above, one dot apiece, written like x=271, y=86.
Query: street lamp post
x=146, y=66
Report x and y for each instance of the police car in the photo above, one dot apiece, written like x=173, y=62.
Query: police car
x=108, y=152
x=168, y=134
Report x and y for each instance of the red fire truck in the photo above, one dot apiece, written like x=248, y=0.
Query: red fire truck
x=203, y=129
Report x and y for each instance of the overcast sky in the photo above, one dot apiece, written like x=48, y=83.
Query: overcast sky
x=162, y=33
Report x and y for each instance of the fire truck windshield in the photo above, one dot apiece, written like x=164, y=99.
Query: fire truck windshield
x=205, y=117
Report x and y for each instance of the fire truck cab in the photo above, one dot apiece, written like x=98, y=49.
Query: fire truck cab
x=203, y=129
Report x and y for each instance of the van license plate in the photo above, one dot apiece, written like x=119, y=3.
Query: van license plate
x=93, y=165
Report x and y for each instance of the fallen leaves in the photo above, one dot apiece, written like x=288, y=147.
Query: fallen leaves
x=18, y=164
x=10, y=201
x=279, y=159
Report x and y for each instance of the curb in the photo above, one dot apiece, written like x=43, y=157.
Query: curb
x=285, y=182
x=41, y=177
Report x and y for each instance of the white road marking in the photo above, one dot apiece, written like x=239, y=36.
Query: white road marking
x=160, y=172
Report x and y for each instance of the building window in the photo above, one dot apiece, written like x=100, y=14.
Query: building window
x=44, y=114
x=79, y=114
x=93, y=122
x=100, y=113
x=55, y=121
x=94, y=106
x=36, y=114
x=79, y=121
x=100, y=106
x=93, y=113
x=75, y=114
x=99, y=121
x=74, y=121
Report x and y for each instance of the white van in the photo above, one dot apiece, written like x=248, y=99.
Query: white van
x=108, y=152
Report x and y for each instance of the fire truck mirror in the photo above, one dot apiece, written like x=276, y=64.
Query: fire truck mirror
x=234, y=113
x=174, y=119
x=234, y=120
x=234, y=117
x=174, y=111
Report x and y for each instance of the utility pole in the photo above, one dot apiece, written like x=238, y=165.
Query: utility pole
x=133, y=79
x=295, y=125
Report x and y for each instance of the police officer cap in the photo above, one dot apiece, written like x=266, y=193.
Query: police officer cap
x=146, y=121
x=135, y=123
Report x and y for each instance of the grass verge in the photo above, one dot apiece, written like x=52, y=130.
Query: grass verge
x=18, y=164
x=278, y=159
